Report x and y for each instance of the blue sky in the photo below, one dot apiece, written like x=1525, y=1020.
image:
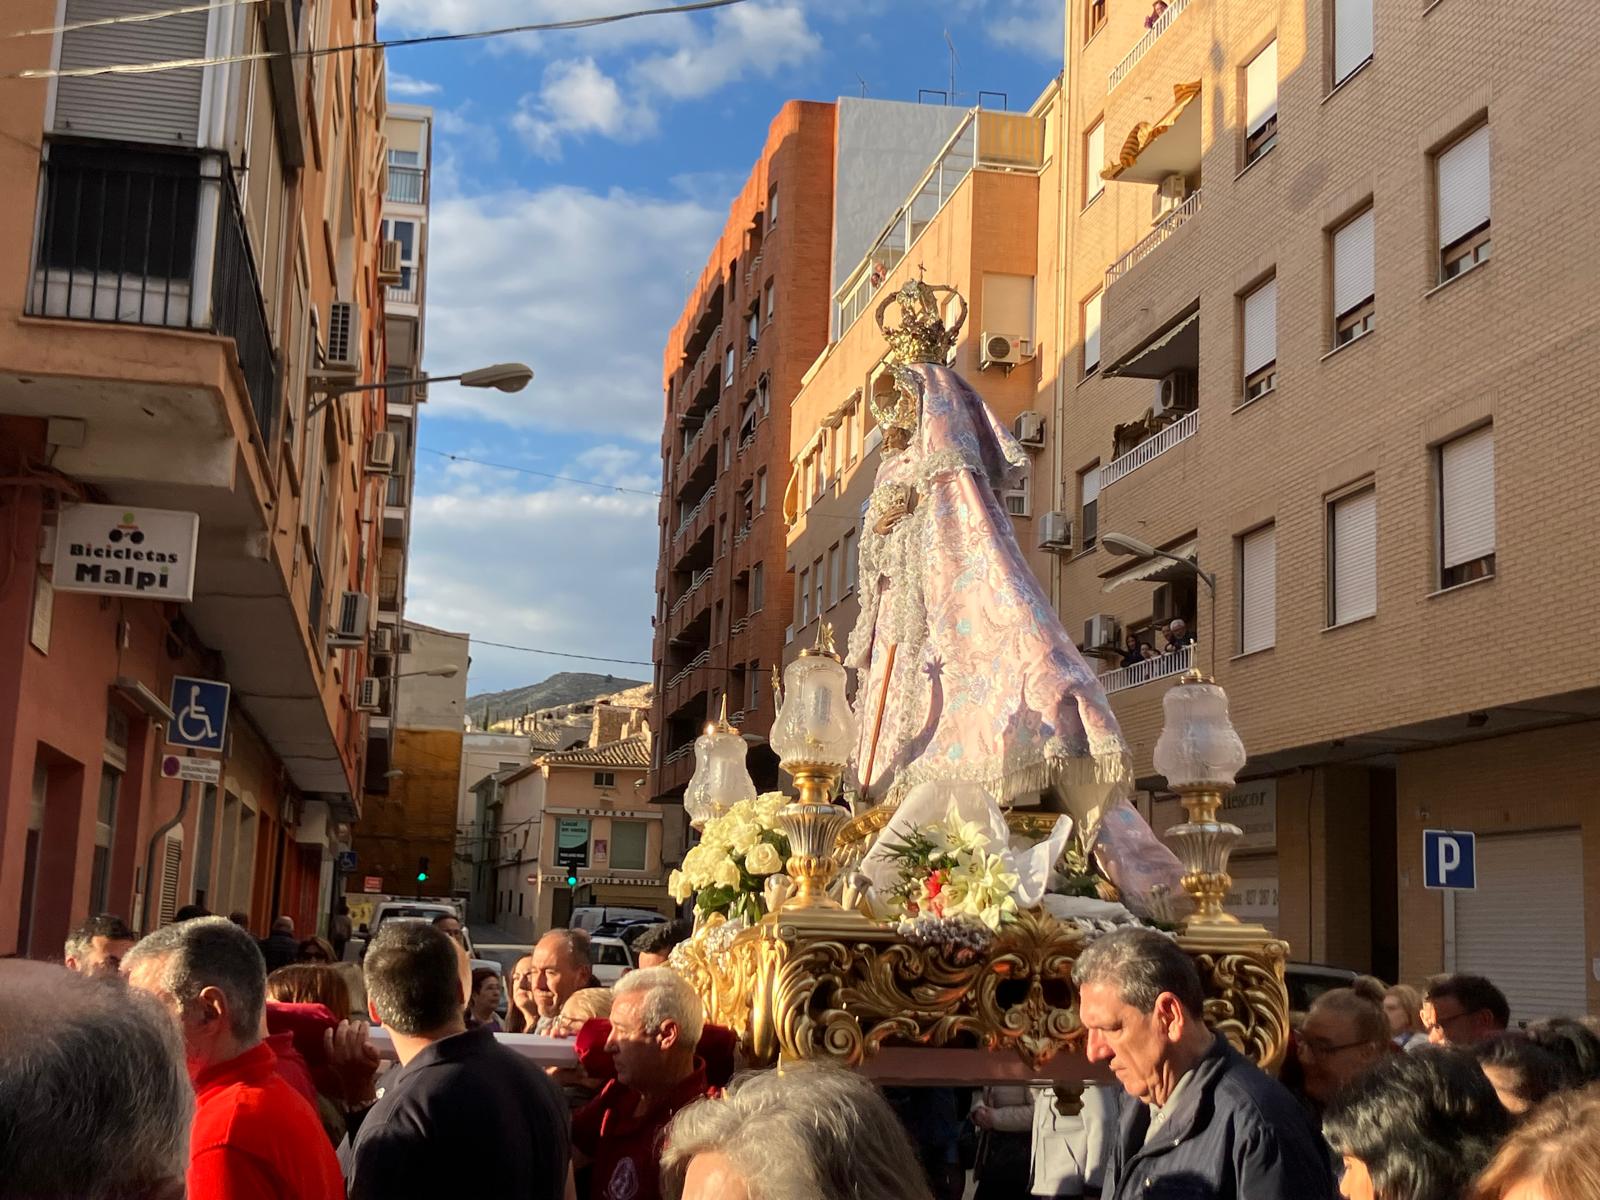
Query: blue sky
x=579, y=181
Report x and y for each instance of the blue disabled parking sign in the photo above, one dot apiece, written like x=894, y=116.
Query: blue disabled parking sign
x=1449, y=859
x=199, y=713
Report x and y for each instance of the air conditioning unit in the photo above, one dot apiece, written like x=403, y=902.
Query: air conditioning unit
x=1102, y=632
x=350, y=625
x=370, y=696
x=389, y=264
x=1179, y=392
x=1029, y=428
x=1005, y=350
x=1174, y=190
x=344, y=336
x=1165, y=604
x=1055, y=531
x=383, y=640
x=380, y=452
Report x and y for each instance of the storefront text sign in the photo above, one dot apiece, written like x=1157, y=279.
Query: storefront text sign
x=116, y=551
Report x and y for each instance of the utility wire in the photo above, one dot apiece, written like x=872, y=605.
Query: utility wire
x=131, y=18
x=610, y=487
x=177, y=64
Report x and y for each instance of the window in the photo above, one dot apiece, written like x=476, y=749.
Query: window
x=1089, y=502
x=404, y=158
x=105, y=825
x=1261, y=103
x=847, y=431
x=722, y=534
x=1462, y=188
x=1353, y=279
x=727, y=449
x=1095, y=18
x=761, y=490
x=1258, y=589
x=747, y=417
x=754, y=704
x=1016, y=499
x=848, y=553
x=758, y=587
x=628, y=845
x=1094, y=158
x=764, y=395
x=1352, y=37
x=836, y=573
x=727, y=366
x=1091, y=334
x=772, y=301
x=1353, y=557
x=605, y=779
x=752, y=330
x=1260, y=321
x=1466, y=508
x=817, y=582
x=772, y=206
x=804, y=597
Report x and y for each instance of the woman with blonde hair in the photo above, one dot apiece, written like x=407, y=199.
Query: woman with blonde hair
x=585, y=1004
x=1553, y=1155
x=1402, y=1004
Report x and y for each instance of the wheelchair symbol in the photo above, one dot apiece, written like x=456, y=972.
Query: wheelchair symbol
x=194, y=722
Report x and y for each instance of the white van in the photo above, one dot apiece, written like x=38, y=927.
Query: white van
x=592, y=917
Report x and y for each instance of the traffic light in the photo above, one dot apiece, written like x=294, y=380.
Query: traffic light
x=572, y=878
x=422, y=869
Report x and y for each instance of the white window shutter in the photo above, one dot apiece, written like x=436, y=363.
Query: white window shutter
x=1097, y=161
x=1464, y=187
x=1261, y=88
x=1466, y=478
x=1352, y=36
x=1258, y=599
x=1261, y=326
x=1355, y=556
x=171, y=865
x=161, y=107
x=1353, y=271
x=1091, y=333
x=1091, y=485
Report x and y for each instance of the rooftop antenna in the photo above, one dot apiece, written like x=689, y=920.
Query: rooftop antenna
x=954, y=59
x=863, y=84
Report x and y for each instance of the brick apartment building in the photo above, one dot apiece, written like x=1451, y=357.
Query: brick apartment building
x=753, y=324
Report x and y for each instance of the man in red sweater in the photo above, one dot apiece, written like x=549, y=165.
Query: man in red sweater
x=254, y=1136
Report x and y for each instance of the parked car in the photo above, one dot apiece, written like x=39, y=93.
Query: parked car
x=406, y=910
x=592, y=917
x=628, y=930
x=612, y=959
x=1307, y=981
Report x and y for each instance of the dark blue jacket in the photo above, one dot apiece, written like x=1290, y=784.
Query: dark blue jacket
x=1236, y=1134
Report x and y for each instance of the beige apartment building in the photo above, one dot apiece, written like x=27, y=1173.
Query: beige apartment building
x=1333, y=340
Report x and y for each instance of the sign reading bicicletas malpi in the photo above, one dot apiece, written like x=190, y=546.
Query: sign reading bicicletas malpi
x=117, y=551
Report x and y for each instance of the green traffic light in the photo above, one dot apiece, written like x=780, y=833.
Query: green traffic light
x=422, y=877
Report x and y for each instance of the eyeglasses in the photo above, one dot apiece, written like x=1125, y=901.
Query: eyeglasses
x=1442, y=1023
x=1322, y=1048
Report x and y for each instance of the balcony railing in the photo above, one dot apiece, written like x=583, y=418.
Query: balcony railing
x=1147, y=245
x=1142, y=46
x=695, y=664
x=696, y=582
x=688, y=520
x=1150, y=448
x=405, y=184
x=388, y=592
x=1171, y=663
x=681, y=752
x=995, y=141
x=739, y=627
x=145, y=239
x=395, y=492
x=405, y=293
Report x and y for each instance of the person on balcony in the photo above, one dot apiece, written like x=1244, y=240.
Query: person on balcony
x=1133, y=651
x=1156, y=12
x=1178, y=636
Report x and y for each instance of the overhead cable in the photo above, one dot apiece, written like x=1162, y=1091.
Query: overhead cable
x=594, y=483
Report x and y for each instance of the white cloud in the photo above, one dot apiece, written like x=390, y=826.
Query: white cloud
x=576, y=98
x=405, y=85
x=582, y=286
x=560, y=569
x=1036, y=27
x=751, y=38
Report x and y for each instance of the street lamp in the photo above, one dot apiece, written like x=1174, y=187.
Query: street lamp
x=1123, y=545
x=449, y=672
x=504, y=377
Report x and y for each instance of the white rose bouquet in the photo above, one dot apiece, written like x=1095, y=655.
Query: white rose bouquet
x=951, y=870
x=738, y=851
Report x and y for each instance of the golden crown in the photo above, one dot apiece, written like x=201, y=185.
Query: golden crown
x=922, y=335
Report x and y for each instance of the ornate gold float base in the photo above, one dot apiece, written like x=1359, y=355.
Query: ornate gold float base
x=792, y=988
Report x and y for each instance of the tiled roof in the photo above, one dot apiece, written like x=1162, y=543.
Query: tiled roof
x=630, y=752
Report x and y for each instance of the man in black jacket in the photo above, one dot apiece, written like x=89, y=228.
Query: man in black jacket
x=462, y=1110
x=280, y=947
x=1198, y=1120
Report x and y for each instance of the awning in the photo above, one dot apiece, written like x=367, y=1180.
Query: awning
x=1168, y=146
x=1155, y=570
x=1177, y=347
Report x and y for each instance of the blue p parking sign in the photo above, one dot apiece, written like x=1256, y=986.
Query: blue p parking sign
x=199, y=713
x=1449, y=859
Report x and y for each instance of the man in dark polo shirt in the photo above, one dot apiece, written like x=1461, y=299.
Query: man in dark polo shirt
x=656, y=1020
x=461, y=1108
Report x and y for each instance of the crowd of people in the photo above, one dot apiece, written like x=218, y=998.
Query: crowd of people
x=180, y=1064
x=1175, y=636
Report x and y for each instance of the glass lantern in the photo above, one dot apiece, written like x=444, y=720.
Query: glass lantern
x=721, y=778
x=815, y=727
x=1198, y=747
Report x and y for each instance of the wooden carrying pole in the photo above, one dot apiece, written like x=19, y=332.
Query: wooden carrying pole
x=877, y=723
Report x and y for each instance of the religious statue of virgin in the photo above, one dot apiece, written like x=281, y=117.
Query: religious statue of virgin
x=964, y=670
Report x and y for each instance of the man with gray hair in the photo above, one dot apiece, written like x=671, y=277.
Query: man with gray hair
x=94, y=1100
x=656, y=1020
x=561, y=966
x=96, y=947
x=1196, y=1112
x=254, y=1135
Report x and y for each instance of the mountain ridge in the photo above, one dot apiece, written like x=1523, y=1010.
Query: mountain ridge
x=564, y=687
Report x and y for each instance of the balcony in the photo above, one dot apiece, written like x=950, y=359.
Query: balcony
x=1151, y=669
x=1150, y=449
x=406, y=184
x=405, y=292
x=133, y=238
x=987, y=141
x=702, y=508
x=1157, y=237
x=1175, y=9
